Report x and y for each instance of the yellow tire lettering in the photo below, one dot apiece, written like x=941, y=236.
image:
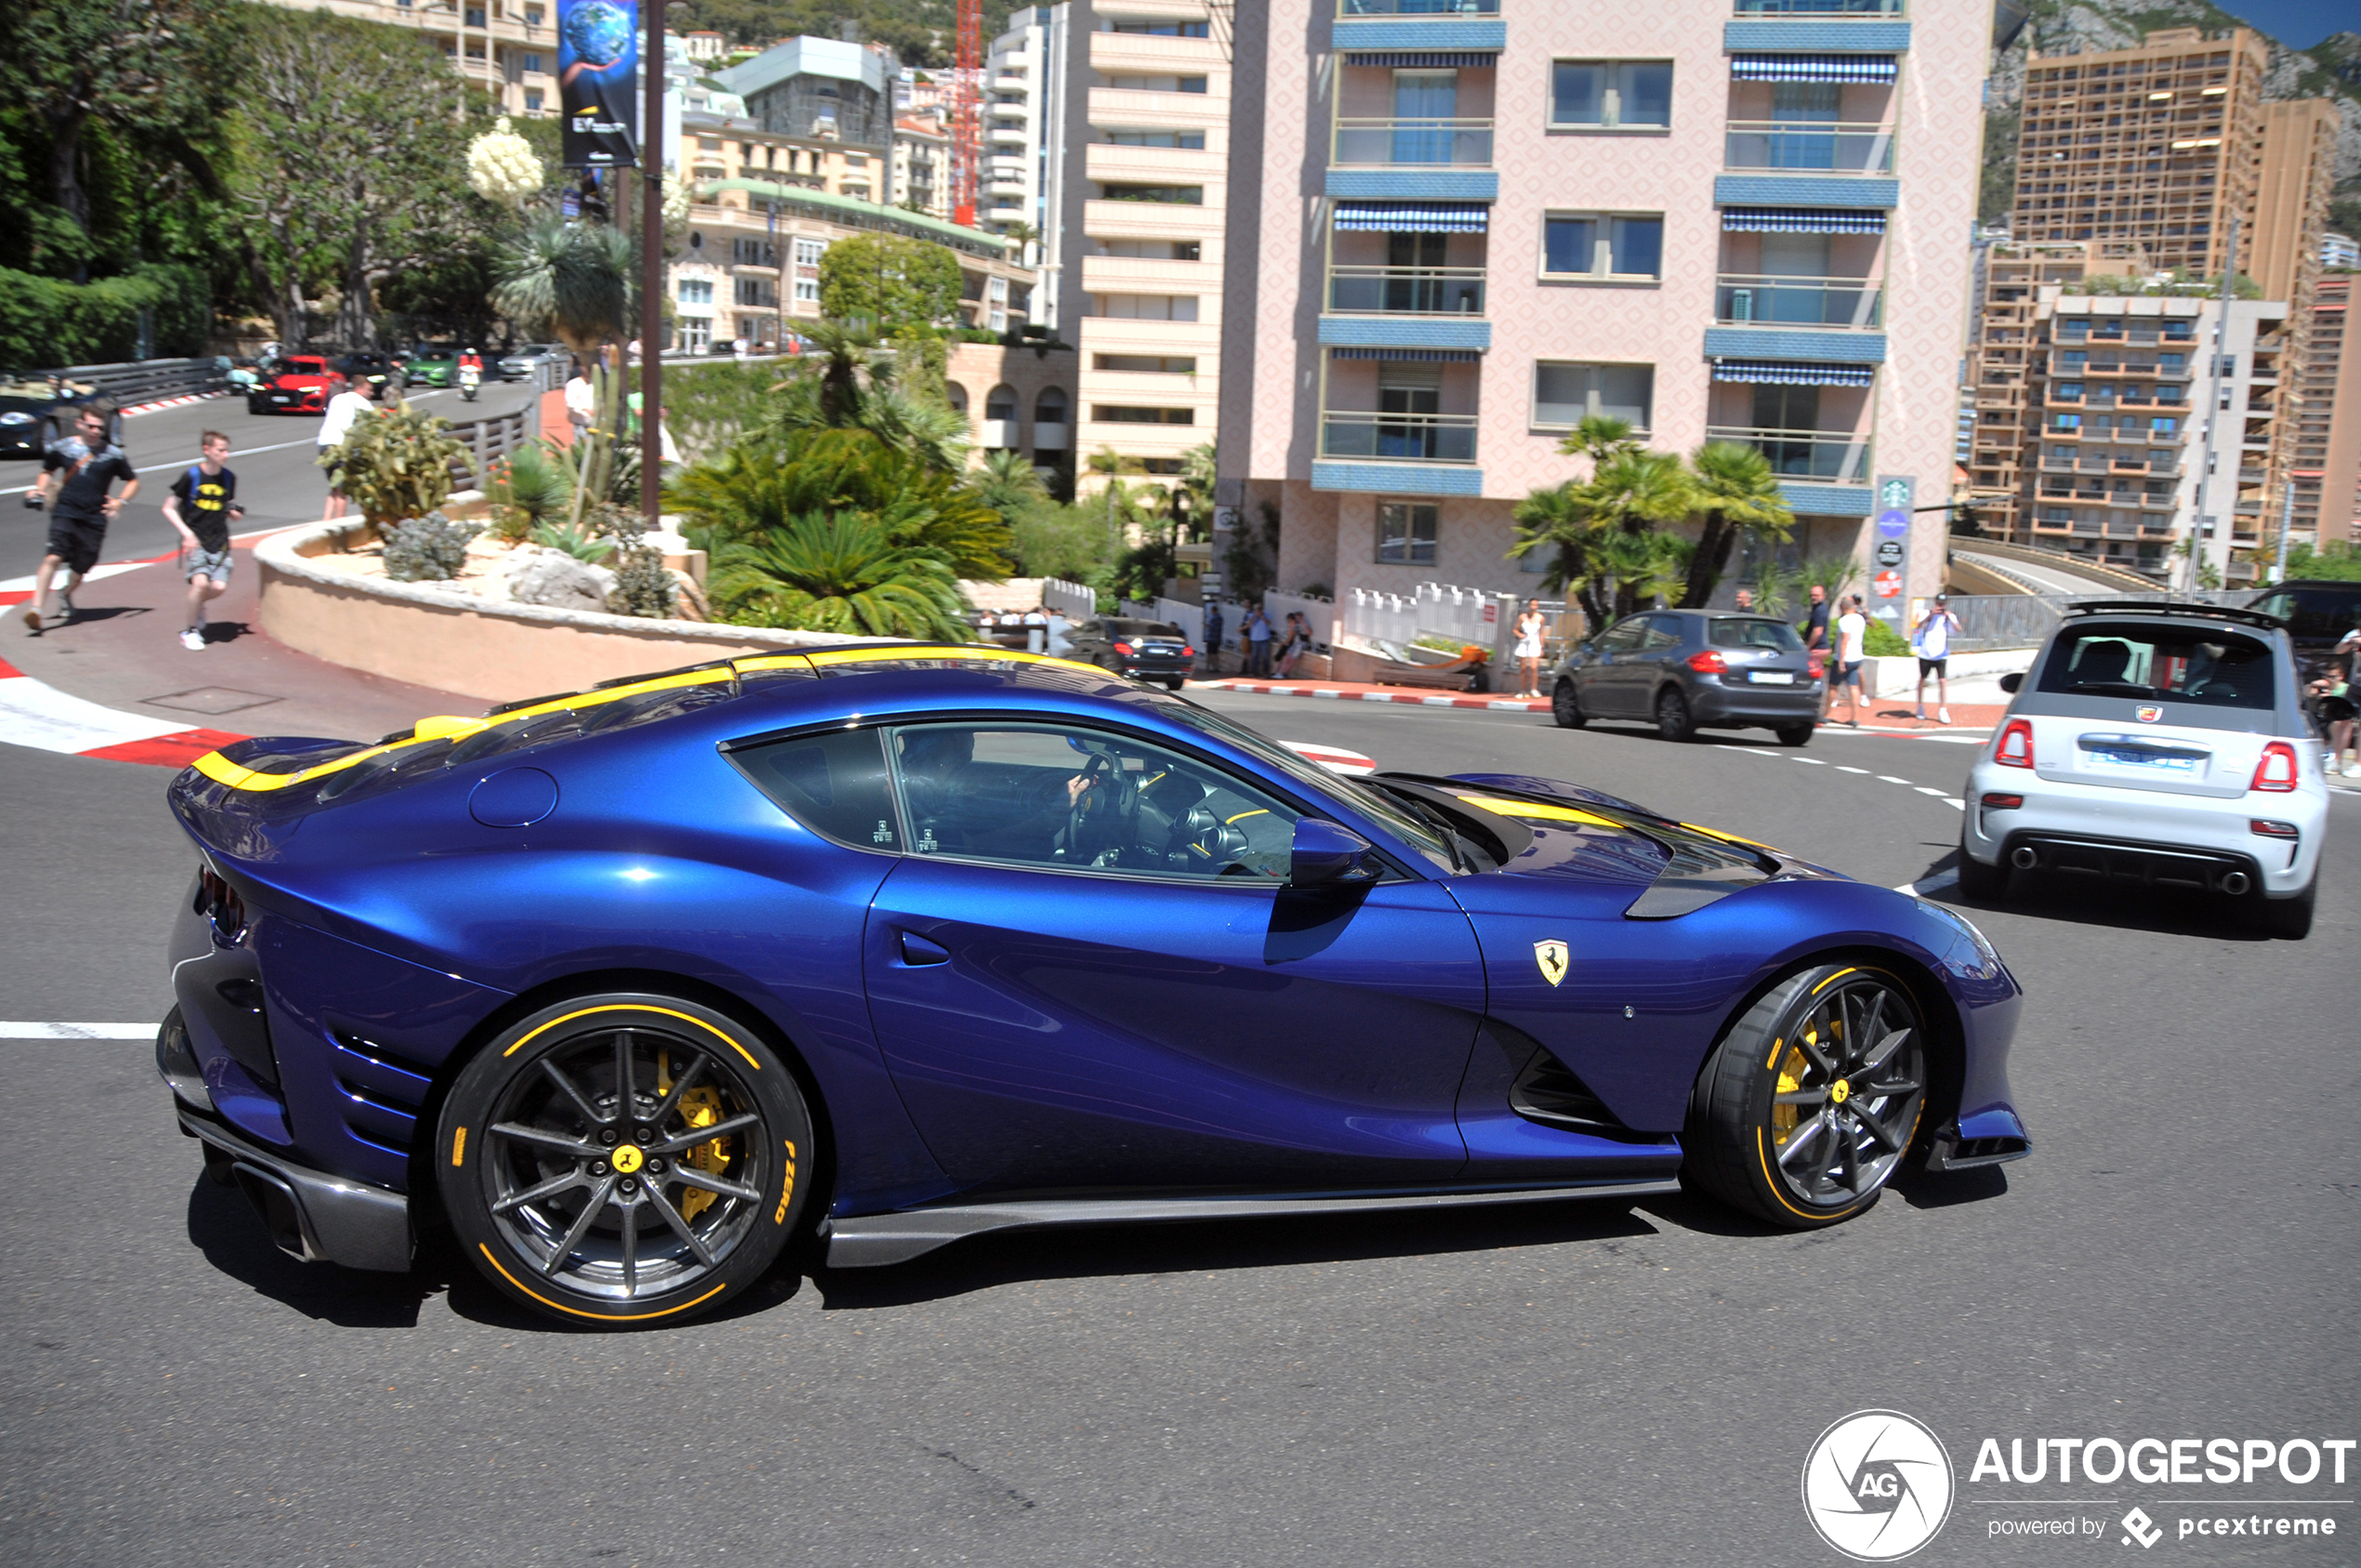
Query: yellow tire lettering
x=459, y=1146
x=786, y=1191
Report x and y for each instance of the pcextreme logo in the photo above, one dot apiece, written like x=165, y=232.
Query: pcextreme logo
x=1876, y=1485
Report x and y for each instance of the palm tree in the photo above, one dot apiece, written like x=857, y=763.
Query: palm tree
x=1738, y=493
x=1599, y=436
x=840, y=573
x=1008, y=484
x=1110, y=463
x=572, y=280
x=1604, y=528
x=1561, y=520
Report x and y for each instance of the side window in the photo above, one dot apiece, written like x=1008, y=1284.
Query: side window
x=834, y=784
x=1626, y=637
x=1664, y=632
x=1050, y=797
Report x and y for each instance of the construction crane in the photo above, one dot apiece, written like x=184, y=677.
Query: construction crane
x=967, y=132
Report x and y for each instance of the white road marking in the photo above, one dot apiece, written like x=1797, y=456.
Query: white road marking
x=9, y=1031
x=1812, y=761
x=1938, y=794
x=1889, y=778
x=1926, y=885
x=1843, y=768
x=1955, y=803
x=35, y=714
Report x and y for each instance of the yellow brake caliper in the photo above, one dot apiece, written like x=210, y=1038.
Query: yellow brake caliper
x=700, y=1107
x=1791, y=1071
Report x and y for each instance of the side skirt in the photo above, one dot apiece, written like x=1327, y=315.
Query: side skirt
x=871, y=1240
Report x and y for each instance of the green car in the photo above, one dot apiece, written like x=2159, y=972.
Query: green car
x=433, y=367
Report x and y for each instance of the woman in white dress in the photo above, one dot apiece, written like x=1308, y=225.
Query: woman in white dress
x=1529, y=630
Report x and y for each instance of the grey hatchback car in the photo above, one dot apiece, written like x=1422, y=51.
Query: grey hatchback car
x=1688, y=670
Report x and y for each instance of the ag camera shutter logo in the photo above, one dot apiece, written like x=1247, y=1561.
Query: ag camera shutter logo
x=1878, y=1485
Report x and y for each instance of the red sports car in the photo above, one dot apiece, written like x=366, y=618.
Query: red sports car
x=298, y=383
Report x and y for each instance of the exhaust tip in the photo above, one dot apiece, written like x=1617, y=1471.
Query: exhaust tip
x=2235, y=883
x=2023, y=858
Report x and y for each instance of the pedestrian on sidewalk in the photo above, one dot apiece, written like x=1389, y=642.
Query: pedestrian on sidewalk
x=1258, y=643
x=1213, y=628
x=1815, y=623
x=201, y=506
x=1930, y=639
x=347, y=407
x=1746, y=601
x=1844, y=667
x=1296, y=643
x=75, y=474
x=581, y=401
x=1530, y=627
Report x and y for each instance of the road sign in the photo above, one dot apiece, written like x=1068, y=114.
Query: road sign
x=1891, y=552
x=1887, y=584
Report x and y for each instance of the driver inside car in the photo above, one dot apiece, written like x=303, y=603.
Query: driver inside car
x=955, y=807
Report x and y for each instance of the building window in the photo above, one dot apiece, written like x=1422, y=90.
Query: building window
x=1157, y=83
x=1155, y=250
x=708, y=144
x=1155, y=139
x=1612, y=94
x=807, y=269
x=754, y=253
x=996, y=290
x=856, y=161
x=1405, y=533
x=757, y=292
x=1161, y=29
x=1611, y=246
x=1178, y=195
x=1120, y=413
x=533, y=101
x=475, y=17
x=1145, y=307
x=1153, y=364
x=1049, y=408
x=531, y=63
x=1565, y=393
x=695, y=291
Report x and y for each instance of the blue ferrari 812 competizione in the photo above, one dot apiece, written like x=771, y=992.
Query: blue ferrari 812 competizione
x=875, y=947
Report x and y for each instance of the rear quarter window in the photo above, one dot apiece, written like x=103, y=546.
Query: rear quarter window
x=2209, y=665
x=834, y=784
x=1775, y=635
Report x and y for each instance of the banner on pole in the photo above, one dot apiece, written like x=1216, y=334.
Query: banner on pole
x=598, y=82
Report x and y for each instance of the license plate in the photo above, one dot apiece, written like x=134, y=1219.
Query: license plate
x=2162, y=761
x=1771, y=676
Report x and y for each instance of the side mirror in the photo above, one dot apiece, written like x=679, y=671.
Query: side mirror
x=1326, y=855
x=2012, y=680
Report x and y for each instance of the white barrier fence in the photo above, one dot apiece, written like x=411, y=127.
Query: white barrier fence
x=1070, y=599
x=1433, y=608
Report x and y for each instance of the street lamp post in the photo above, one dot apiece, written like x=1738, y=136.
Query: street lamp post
x=652, y=269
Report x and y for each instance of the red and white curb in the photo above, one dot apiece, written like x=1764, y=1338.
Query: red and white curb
x=181, y=401
x=1412, y=699
x=21, y=1031
x=1334, y=758
x=34, y=714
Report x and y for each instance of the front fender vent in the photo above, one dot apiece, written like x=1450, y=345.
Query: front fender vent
x=1546, y=1090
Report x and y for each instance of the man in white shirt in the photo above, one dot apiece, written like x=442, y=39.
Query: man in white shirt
x=1930, y=639
x=1844, y=670
x=343, y=409
x=581, y=401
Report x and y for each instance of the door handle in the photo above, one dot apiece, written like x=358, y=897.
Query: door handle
x=917, y=952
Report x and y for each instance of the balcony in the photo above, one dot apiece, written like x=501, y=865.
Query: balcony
x=1749, y=300
x=1806, y=147
x=1419, y=24
x=1419, y=143
x=1817, y=8
x=1419, y=9
x=1398, y=438
x=1415, y=291
x=1831, y=457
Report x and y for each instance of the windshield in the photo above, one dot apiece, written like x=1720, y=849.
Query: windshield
x=1412, y=830
x=2207, y=664
x=1733, y=632
x=2314, y=614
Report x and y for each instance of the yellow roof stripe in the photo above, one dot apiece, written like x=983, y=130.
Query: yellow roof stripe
x=1535, y=810
x=220, y=768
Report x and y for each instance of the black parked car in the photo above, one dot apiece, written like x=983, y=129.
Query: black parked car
x=2318, y=614
x=1693, y=670
x=368, y=372
x=1143, y=650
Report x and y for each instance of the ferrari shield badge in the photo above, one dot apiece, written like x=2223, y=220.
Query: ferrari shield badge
x=2149, y=713
x=1551, y=957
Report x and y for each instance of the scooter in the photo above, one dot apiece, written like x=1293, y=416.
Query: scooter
x=469, y=378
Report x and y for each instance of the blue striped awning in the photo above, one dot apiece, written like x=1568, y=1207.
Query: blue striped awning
x=1414, y=217
x=1789, y=372
x=1419, y=356
x=1811, y=68
x=1800, y=220
x=1461, y=60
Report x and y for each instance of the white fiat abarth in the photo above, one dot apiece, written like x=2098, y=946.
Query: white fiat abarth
x=2162, y=744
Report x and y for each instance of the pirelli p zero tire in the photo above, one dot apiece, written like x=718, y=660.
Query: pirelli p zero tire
x=1811, y=1103
x=625, y=1160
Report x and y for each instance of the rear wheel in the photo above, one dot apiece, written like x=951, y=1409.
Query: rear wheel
x=1795, y=735
x=1672, y=715
x=1565, y=707
x=625, y=1160
x=1977, y=879
x=2290, y=918
x=1805, y=1110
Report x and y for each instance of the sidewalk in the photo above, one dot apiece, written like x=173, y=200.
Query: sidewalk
x=1361, y=691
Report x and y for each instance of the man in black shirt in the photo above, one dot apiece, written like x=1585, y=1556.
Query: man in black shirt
x=203, y=502
x=75, y=474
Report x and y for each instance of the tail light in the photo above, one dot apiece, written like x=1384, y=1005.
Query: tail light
x=2015, y=749
x=1123, y=648
x=1999, y=802
x=1708, y=662
x=2270, y=829
x=1187, y=651
x=2276, y=771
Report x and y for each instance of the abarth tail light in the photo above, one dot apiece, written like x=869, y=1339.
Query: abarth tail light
x=1708, y=662
x=1998, y=802
x=2276, y=771
x=2270, y=829
x=2015, y=749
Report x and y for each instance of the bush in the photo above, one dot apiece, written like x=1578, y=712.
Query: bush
x=395, y=463
x=47, y=324
x=530, y=490
x=1881, y=642
x=427, y=549
x=579, y=543
x=708, y=407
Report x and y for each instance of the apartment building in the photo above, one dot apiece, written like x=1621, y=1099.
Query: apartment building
x=1138, y=221
x=2006, y=359
x=1023, y=113
x=1458, y=228
x=2325, y=449
x=921, y=176
x=507, y=48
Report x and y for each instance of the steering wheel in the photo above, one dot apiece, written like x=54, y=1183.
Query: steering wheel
x=1077, y=805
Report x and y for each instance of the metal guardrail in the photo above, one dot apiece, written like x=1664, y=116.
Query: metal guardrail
x=138, y=381
x=2021, y=620
x=488, y=439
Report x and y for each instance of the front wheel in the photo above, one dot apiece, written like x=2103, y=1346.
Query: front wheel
x=1672, y=715
x=625, y=1160
x=1805, y=1110
x=1566, y=707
